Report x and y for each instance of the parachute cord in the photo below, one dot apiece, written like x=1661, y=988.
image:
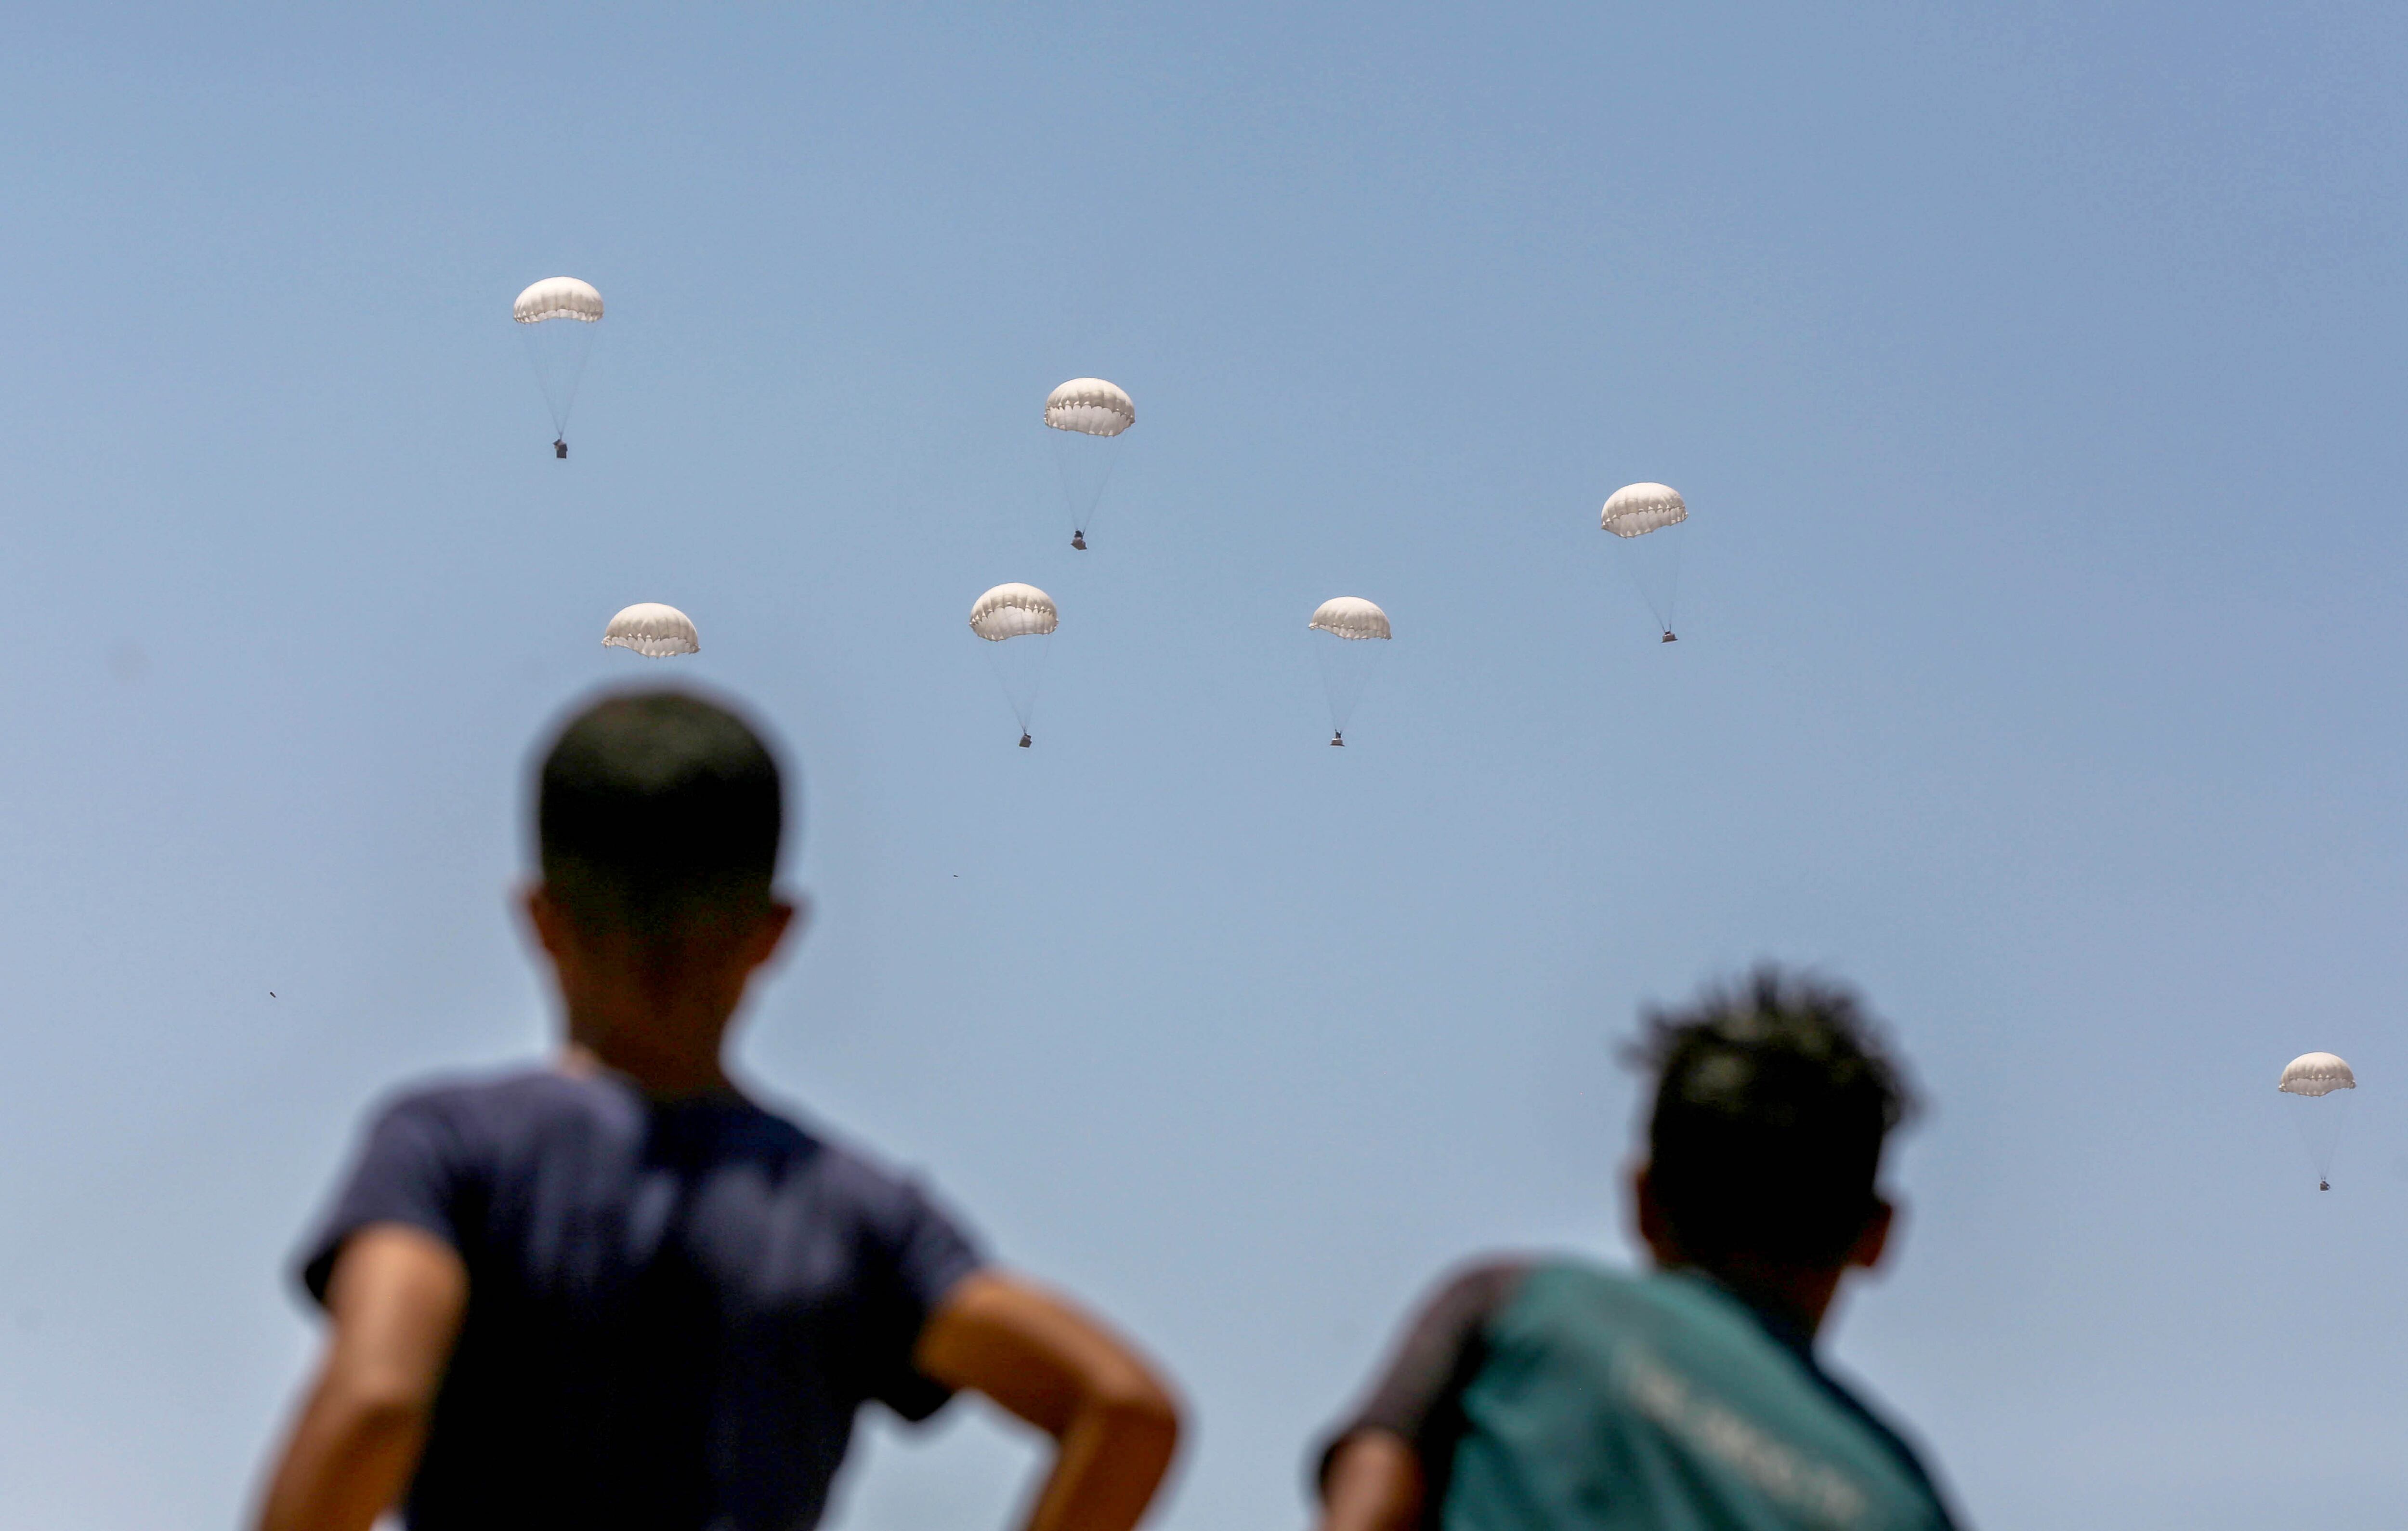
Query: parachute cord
x=2324, y=1173
x=1639, y=584
x=1082, y=516
x=1037, y=683
x=2321, y=1149
x=1345, y=677
x=1022, y=711
x=1672, y=588
x=581, y=352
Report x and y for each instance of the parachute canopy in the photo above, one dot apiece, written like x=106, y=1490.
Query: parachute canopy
x=557, y=297
x=652, y=631
x=1013, y=611
x=1351, y=616
x=2316, y=1073
x=1089, y=406
x=1637, y=509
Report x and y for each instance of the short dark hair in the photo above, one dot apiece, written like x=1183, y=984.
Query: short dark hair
x=1773, y=1096
x=655, y=808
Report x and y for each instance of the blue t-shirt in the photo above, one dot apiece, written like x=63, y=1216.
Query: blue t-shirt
x=674, y=1308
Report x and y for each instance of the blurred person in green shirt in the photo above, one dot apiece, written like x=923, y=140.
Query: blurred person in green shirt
x=1550, y=1393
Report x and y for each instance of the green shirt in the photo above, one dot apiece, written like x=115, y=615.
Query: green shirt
x=1610, y=1402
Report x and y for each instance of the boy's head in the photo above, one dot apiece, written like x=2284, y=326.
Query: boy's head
x=1772, y=1100
x=656, y=811
x=657, y=821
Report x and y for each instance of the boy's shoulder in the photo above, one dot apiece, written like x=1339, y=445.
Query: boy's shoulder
x=493, y=1109
x=1572, y=1306
x=497, y=1114
x=1650, y=1302
x=533, y=1091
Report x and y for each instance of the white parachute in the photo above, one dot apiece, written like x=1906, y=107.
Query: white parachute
x=1650, y=511
x=558, y=316
x=1350, y=617
x=654, y=630
x=2315, y=1074
x=557, y=297
x=1088, y=413
x=1637, y=509
x=1006, y=613
x=1346, y=665
x=2310, y=1078
x=1091, y=407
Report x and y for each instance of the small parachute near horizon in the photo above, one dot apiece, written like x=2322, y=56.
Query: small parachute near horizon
x=559, y=315
x=1089, y=412
x=2311, y=1077
x=1650, y=510
x=654, y=630
x=1006, y=613
x=1346, y=669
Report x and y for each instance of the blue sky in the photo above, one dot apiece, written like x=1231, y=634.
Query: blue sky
x=2032, y=375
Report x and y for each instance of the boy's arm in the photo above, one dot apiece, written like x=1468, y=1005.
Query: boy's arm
x=1388, y=1463
x=1373, y=1483
x=1112, y=1418
x=397, y=1296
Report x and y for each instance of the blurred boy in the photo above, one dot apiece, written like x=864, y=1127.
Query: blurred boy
x=1547, y=1395
x=614, y=1292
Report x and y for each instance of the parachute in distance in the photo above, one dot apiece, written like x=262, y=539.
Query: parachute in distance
x=1350, y=617
x=654, y=630
x=1639, y=510
x=1091, y=407
x=1346, y=666
x=2311, y=1077
x=558, y=316
x=1006, y=613
x=2315, y=1074
x=1013, y=611
x=1088, y=413
x=558, y=297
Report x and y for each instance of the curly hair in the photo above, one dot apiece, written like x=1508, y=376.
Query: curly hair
x=1774, y=1096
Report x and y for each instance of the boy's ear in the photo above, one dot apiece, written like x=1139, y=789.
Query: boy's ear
x=784, y=923
x=542, y=915
x=1655, y=1228
x=1874, y=1242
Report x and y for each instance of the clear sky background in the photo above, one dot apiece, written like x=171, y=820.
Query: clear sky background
x=2034, y=376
